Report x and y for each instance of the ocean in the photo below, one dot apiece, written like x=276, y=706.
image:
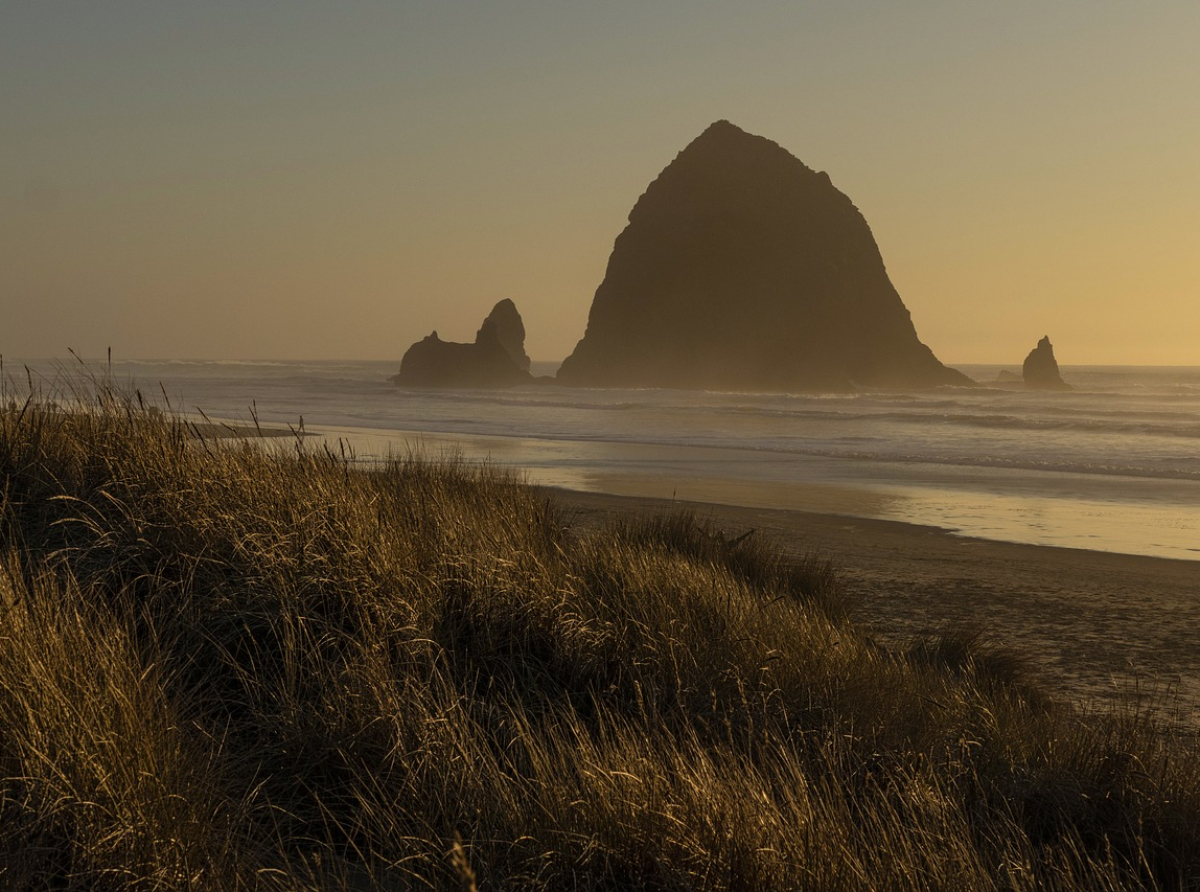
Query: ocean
x=1113, y=465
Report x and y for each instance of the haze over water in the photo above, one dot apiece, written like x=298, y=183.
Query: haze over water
x=1113, y=465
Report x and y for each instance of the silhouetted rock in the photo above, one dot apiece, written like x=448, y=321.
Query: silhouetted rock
x=504, y=326
x=741, y=268
x=1041, y=368
x=496, y=359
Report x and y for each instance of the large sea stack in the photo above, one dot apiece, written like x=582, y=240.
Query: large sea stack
x=496, y=358
x=742, y=268
x=1040, y=370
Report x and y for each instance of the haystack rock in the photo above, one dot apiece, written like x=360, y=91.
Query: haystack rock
x=1041, y=368
x=743, y=269
x=496, y=358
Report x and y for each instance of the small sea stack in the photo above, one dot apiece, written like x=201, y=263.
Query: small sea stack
x=497, y=357
x=1040, y=371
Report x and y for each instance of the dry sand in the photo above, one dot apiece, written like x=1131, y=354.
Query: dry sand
x=1096, y=626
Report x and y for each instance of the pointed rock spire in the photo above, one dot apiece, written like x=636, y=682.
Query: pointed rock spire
x=504, y=327
x=1040, y=370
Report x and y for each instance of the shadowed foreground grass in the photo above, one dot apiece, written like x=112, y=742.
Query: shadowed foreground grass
x=223, y=666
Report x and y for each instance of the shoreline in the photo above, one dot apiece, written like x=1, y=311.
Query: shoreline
x=222, y=430
x=1092, y=512
x=1097, y=627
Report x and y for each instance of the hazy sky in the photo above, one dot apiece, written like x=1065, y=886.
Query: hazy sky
x=309, y=179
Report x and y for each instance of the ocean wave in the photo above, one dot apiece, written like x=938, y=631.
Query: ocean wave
x=1056, y=464
x=877, y=449
x=1187, y=428
x=1021, y=463
x=944, y=414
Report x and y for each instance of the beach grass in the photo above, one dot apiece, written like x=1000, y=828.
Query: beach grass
x=229, y=665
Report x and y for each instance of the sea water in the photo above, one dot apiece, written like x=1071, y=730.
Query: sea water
x=1112, y=465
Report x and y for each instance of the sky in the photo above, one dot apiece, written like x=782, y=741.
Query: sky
x=314, y=180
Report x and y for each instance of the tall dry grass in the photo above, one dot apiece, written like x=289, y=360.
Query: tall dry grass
x=229, y=666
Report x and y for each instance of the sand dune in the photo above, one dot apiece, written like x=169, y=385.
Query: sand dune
x=1100, y=625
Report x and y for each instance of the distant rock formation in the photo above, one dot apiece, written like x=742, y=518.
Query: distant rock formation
x=741, y=268
x=1041, y=368
x=496, y=359
x=1004, y=376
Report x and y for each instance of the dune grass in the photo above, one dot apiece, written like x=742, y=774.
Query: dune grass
x=228, y=666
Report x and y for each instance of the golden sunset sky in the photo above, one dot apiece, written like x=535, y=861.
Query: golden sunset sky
x=272, y=180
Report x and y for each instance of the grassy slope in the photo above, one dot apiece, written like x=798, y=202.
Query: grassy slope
x=222, y=666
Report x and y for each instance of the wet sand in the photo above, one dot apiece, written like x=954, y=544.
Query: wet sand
x=225, y=430
x=1096, y=626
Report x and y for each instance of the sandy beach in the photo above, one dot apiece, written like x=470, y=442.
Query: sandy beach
x=1096, y=626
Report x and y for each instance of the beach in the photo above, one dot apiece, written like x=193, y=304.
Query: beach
x=1096, y=627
